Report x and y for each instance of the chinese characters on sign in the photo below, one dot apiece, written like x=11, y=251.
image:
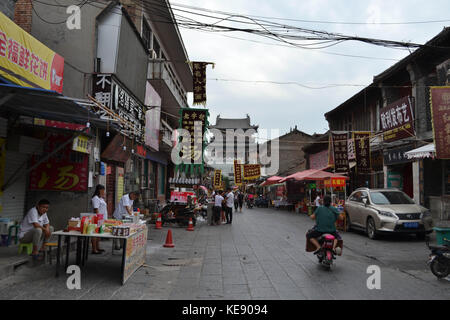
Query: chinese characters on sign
x=65, y=171
x=252, y=171
x=237, y=173
x=340, y=152
x=396, y=156
x=194, y=121
x=81, y=144
x=112, y=95
x=217, y=178
x=135, y=254
x=27, y=61
x=440, y=111
x=362, y=152
x=397, y=121
x=199, y=81
x=334, y=182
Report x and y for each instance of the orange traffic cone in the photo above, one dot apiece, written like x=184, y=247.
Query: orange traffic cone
x=158, y=222
x=169, y=243
x=190, y=226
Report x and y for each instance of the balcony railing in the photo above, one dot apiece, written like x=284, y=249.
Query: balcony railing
x=161, y=70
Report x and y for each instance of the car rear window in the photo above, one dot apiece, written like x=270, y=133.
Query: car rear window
x=390, y=197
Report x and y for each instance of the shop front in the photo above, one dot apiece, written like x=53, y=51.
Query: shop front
x=399, y=172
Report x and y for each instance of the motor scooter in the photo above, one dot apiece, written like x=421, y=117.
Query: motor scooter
x=439, y=260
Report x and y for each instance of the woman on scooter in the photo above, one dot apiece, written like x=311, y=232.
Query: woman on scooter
x=325, y=217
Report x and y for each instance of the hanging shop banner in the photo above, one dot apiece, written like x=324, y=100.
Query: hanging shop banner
x=340, y=152
x=177, y=196
x=195, y=121
x=362, y=151
x=58, y=124
x=199, y=82
x=397, y=155
x=112, y=94
x=397, y=120
x=237, y=173
x=351, y=149
x=217, y=178
x=81, y=144
x=252, y=171
x=334, y=182
x=26, y=61
x=2, y=168
x=440, y=113
x=65, y=171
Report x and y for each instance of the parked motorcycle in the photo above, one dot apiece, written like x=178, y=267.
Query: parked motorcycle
x=439, y=260
x=262, y=202
x=250, y=203
x=177, y=213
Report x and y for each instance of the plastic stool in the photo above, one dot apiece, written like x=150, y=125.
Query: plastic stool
x=48, y=252
x=16, y=237
x=27, y=246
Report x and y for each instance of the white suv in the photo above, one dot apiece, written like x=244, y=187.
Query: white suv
x=386, y=210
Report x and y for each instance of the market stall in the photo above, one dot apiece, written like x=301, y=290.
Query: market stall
x=132, y=235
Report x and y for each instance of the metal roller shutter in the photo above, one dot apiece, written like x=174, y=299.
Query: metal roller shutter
x=14, y=195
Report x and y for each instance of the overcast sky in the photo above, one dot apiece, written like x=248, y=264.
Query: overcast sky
x=274, y=106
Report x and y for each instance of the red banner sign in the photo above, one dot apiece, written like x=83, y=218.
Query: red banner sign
x=334, y=182
x=440, y=111
x=397, y=120
x=181, y=196
x=65, y=171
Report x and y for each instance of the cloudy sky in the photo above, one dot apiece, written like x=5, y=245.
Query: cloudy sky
x=280, y=107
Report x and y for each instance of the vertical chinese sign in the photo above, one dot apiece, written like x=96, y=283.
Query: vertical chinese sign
x=397, y=121
x=67, y=170
x=237, y=173
x=252, y=171
x=217, y=179
x=440, y=113
x=199, y=81
x=195, y=121
x=362, y=151
x=339, y=144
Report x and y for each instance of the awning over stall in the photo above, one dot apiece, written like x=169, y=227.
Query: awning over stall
x=426, y=151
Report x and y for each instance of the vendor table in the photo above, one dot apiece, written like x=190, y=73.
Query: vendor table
x=133, y=246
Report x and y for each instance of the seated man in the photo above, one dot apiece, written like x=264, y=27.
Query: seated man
x=325, y=217
x=35, y=227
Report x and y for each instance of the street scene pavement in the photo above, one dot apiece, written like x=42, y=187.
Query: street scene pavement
x=261, y=255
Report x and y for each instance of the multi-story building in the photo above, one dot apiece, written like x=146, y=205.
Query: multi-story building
x=395, y=108
x=128, y=66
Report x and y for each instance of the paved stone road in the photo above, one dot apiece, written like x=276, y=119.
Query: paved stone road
x=260, y=256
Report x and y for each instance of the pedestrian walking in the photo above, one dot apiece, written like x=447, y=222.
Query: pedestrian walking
x=229, y=206
x=236, y=201
x=100, y=208
x=240, y=200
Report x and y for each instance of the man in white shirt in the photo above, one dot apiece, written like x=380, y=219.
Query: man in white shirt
x=229, y=206
x=124, y=207
x=317, y=202
x=218, y=199
x=35, y=227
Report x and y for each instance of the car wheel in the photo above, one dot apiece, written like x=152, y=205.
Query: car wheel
x=348, y=224
x=371, y=228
